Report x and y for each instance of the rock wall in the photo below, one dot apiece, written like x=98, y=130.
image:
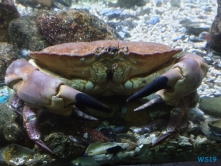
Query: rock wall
x=216, y=30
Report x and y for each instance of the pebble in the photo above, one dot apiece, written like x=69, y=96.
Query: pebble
x=114, y=13
x=207, y=8
x=193, y=38
x=217, y=64
x=153, y=20
x=181, y=37
x=4, y=95
x=211, y=105
x=208, y=60
x=157, y=3
x=122, y=34
x=175, y=3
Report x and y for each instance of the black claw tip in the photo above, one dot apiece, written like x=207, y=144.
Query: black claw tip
x=157, y=84
x=83, y=99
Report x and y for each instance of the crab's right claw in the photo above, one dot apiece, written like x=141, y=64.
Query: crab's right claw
x=72, y=96
x=41, y=90
x=181, y=80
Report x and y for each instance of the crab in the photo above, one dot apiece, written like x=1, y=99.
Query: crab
x=61, y=77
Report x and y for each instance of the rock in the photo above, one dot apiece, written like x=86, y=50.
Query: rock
x=113, y=13
x=8, y=12
x=68, y=27
x=195, y=28
x=24, y=34
x=121, y=34
x=46, y=3
x=181, y=37
x=72, y=26
x=10, y=130
x=183, y=30
x=215, y=126
x=4, y=95
x=183, y=141
x=153, y=20
x=200, y=141
x=64, y=146
x=196, y=115
x=98, y=148
x=208, y=60
x=128, y=3
x=108, y=132
x=145, y=10
x=216, y=30
x=189, y=1
x=157, y=3
x=211, y=106
x=151, y=127
x=193, y=38
x=7, y=55
x=16, y=155
x=205, y=128
x=217, y=64
x=207, y=8
x=175, y=3
x=124, y=26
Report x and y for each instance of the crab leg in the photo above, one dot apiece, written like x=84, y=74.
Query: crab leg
x=178, y=120
x=30, y=122
x=17, y=104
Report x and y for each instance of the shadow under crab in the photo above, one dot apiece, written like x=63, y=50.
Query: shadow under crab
x=106, y=68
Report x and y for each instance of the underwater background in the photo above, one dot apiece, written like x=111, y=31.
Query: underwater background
x=192, y=25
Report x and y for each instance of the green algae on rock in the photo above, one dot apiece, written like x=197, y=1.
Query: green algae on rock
x=7, y=56
x=10, y=130
x=8, y=12
x=24, y=34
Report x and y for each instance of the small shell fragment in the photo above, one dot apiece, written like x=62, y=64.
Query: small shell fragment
x=98, y=148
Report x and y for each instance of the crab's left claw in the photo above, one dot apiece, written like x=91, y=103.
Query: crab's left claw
x=184, y=78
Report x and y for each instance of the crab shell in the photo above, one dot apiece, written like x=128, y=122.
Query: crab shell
x=109, y=67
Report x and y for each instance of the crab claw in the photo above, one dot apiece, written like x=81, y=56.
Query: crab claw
x=181, y=80
x=78, y=113
x=41, y=90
